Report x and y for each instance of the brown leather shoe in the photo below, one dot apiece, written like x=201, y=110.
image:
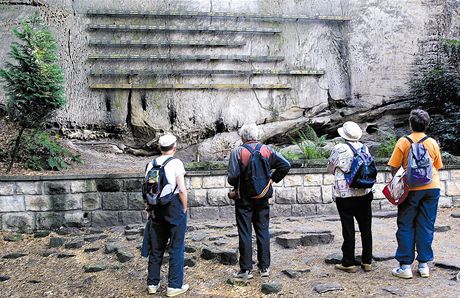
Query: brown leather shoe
x=367, y=267
x=349, y=269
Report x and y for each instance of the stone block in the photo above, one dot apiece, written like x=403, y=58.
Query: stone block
x=312, y=239
x=56, y=188
x=7, y=188
x=214, y=182
x=385, y=205
x=312, y=179
x=108, y=185
x=132, y=185
x=381, y=177
x=453, y=187
x=130, y=217
x=218, y=197
x=135, y=201
x=74, y=219
x=29, y=188
x=12, y=203
x=91, y=201
x=285, y=195
x=293, y=180
x=442, y=188
x=444, y=175
x=49, y=220
x=195, y=182
x=303, y=209
x=23, y=222
x=456, y=202
x=54, y=202
x=309, y=195
x=375, y=205
x=197, y=197
x=227, y=212
x=104, y=218
x=378, y=194
x=114, y=201
x=328, y=179
x=204, y=213
x=326, y=194
x=327, y=209
x=280, y=210
x=455, y=175
x=289, y=240
x=445, y=202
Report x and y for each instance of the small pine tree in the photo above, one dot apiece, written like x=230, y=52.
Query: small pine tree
x=34, y=84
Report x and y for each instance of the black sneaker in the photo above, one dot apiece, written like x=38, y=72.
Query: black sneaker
x=264, y=272
x=245, y=274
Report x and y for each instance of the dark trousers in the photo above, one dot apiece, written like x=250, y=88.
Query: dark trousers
x=162, y=231
x=249, y=214
x=359, y=208
x=416, y=217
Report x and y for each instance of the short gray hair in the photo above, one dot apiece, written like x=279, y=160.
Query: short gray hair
x=249, y=132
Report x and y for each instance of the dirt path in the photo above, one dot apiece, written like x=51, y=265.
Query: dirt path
x=36, y=276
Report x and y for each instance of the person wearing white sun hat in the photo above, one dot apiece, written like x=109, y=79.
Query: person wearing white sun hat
x=351, y=202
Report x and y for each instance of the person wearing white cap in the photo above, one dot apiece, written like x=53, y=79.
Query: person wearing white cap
x=167, y=222
x=351, y=202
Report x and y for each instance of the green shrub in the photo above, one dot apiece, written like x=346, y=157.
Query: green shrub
x=387, y=145
x=41, y=152
x=291, y=155
x=310, y=144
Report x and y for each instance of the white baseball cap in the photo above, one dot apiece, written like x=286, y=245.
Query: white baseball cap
x=350, y=131
x=167, y=140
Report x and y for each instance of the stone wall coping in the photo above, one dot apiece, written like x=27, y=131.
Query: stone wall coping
x=190, y=173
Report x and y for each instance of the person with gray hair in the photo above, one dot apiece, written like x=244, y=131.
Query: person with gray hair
x=253, y=211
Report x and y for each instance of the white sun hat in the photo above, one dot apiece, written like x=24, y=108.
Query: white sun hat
x=350, y=131
x=167, y=140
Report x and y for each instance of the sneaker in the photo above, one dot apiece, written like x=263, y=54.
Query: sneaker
x=264, y=272
x=402, y=273
x=349, y=269
x=246, y=274
x=153, y=289
x=171, y=292
x=367, y=267
x=424, y=271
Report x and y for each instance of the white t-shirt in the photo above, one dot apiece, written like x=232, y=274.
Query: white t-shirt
x=173, y=168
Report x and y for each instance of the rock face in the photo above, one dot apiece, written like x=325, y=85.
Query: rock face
x=360, y=79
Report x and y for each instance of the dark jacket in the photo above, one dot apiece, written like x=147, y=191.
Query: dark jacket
x=239, y=159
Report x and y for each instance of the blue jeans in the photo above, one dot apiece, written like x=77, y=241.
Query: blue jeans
x=168, y=224
x=416, y=217
x=250, y=213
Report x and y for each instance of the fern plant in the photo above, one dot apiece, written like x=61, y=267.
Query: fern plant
x=310, y=144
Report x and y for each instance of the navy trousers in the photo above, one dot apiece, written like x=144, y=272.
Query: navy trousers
x=359, y=208
x=416, y=217
x=169, y=223
x=251, y=213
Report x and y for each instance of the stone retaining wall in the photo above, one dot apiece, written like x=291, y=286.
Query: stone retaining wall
x=47, y=202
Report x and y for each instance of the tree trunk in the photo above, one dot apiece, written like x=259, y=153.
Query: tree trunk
x=15, y=150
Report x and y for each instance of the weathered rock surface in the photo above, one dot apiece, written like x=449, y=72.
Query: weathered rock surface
x=41, y=234
x=56, y=242
x=441, y=229
x=393, y=290
x=294, y=273
x=327, y=287
x=65, y=255
x=95, y=267
x=74, y=244
x=4, y=278
x=123, y=255
x=12, y=237
x=14, y=255
x=271, y=288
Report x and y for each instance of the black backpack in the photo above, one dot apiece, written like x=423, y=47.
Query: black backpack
x=256, y=177
x=363, y=171
x=154, y=183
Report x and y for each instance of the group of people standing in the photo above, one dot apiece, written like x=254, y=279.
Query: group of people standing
x=416, y=215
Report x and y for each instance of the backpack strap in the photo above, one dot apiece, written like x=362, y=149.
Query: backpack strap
x=252, y=150
x=355, y=152
x=423, y=139
x=166, y=161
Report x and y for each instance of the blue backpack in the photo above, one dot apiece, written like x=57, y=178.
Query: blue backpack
x=256, y=178
x=363, y=171
x=155, y=182
x=419, y=166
